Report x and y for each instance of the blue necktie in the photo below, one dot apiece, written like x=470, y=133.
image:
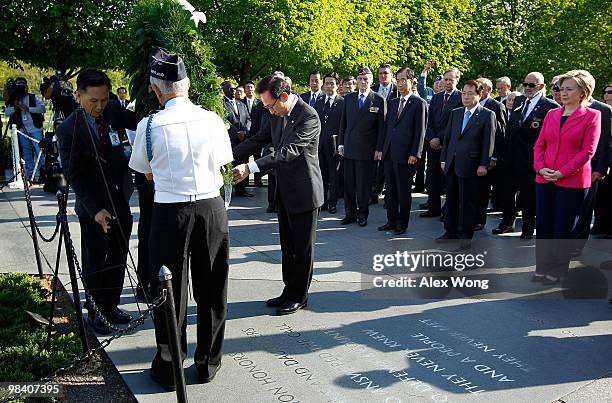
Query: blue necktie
x=466, y=119
x=313, y=100
x=361, y=97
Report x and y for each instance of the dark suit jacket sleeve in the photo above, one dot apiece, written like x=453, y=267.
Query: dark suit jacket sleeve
x=429, y=134
x=603, y=147
x=488, y=141
x=382, y=112
x=500, y=133
x=129, y=119
x=419, y=128
x=247, y=124
x=304, y=134
x=254, y=143
x=342, y=125
x=380, y=142
x=72, y=157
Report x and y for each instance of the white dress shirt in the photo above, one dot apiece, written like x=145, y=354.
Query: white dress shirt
x=189, y=146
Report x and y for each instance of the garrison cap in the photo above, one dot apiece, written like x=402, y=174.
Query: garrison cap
x=167, y=66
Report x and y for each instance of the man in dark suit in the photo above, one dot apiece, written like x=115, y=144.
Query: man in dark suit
x=599, y=167
x=466, y=152
x=294, y=132
x=122, y=95
x=251, y=102
x=361, y=128
x=240, y=125
x=492, y=179
x=440, y=108
x=503, y=85
x=518, y=172
x=400, y=149
x=330, y=110
x=315, y=82
x=95, y=164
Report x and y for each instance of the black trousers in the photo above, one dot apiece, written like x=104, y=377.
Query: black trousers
x=258, y=175
x=297, y=239
x=378, y=180
x=496, y=180
x=558, y=209
x=419, y=178
x=199, y=230
x=329, y=163
x=103, y=256
x=434, y=180
x=484, y=193
x=525, y=184
x=603, y=206
x=145, y=204
x=398, y=196
x=357, y=187
x=461, y=204
x=583, y=226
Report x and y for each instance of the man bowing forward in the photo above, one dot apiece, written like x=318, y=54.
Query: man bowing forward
x=294, y=131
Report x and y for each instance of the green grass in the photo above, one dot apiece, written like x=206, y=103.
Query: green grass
x=23, y=353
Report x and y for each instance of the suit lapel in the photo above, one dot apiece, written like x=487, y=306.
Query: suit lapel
x=367, y=103
x=406, y=107
x=574, y=119
x=295, y=115
x=472, y=120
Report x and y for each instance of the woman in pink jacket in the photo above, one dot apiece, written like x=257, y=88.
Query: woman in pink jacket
x=562, y=157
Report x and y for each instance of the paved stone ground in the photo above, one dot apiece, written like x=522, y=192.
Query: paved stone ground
x=514, y=343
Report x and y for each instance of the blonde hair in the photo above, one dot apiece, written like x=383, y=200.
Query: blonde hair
x=584, y=79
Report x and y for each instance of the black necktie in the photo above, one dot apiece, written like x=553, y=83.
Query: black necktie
x=401, y=107
x=524, y=112
x=446, y=96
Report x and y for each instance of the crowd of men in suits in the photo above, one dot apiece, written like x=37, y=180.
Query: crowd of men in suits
x=402, y=136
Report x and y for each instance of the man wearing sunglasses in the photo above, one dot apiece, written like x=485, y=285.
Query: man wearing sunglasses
x=521, y=134
x=555, y=90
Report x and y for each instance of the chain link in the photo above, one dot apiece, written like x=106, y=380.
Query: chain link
x=156, y=303
x=26, y=188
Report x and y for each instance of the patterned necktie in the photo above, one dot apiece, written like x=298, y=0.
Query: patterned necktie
x=384, y=93
x=361, y=98
x=102, y=131
x=401, y=107
x=313, y=99
x=446, y=96
x=466, y=119
x=524, y=112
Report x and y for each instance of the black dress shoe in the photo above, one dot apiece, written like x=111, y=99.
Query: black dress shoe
x=430, y=213
x=478, y=227
x=444, y=237
x=207, y=376
x=324, y=207
x=362, y=222
x=276, y=302
x=418, y=189
x=388, y=226
x=526, y=236
x=98, y=326
x=399, y=231
x=374, y=199
x=290, y=307
x=348, y=220
x=244, y=194
x=162, y=373
x=597, y=231
x=332, y=210
x=536, y=278
x=424, y=205
x=117, y=316
x=502, y=229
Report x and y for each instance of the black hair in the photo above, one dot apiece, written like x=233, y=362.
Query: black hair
x=226, y=83
x=386, y=66
x=250, y=82
x=348, y=78
x=274, y=85
x=22, y=79
x=334, y=75
x=476, y=84
x=409, y=73
x=121, y=88
x=92, y=78
x=315, y=72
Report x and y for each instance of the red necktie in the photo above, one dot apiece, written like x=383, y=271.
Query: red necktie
x=102, y=131
x=446, y=96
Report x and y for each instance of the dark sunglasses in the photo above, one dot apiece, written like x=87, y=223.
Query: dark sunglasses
x=530, y=85
x=609, y=92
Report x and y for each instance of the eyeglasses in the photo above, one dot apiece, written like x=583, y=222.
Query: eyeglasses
x=530, y=85
x=269, y=107
x=555, y=88
x=608, y=92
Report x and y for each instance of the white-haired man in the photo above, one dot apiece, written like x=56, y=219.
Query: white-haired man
x=503, y=85
x=182, y=149
x=521, y=134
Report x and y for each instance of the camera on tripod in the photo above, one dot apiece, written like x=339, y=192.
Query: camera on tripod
x=14, y=91
x=60, y=93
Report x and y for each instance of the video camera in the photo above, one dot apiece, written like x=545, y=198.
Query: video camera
x=60, y=93
x=14, y=91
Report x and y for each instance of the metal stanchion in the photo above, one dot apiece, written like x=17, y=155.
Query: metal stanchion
x=33, y=229
x=18, y=181
x=76, y=296
x=54, y=288
x=165, y=278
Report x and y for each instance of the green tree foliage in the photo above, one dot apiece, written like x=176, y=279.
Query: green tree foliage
x=252, y=38
x=64, y=35
x=164, y=23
